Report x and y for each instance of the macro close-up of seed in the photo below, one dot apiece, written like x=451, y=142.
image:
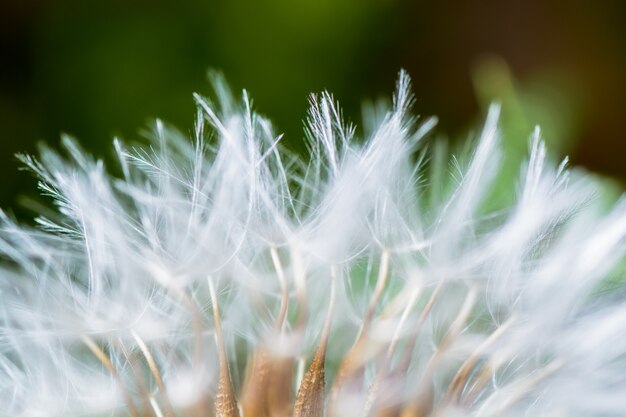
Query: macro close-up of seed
x=219, y=275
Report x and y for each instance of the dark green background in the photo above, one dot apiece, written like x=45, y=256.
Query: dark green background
x=96, y=69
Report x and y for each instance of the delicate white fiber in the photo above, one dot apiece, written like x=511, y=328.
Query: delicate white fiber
x=441, y=306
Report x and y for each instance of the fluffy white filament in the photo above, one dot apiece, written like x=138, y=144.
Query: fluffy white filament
x=443, y=303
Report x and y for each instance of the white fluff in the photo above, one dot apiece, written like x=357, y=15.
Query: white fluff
x=125, y=263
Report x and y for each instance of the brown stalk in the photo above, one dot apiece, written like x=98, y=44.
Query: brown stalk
x=461, y=377
x=264, y=394
x=144, y=395
x=422, y=403
x=351, y=371
x=280, y=387
x=381, y=281
x=526, y=385
x=386, y=380
x=254, y=393
x=106, y=361
x=154, y=370
x=408, y=350
x=196, y=322
x=403, y=318
x=225, y=402
x=310, y=397
x=280, y=379
x=300, y=284
x=383, y=394
x=479, y=384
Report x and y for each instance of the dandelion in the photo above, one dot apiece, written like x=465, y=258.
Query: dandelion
x=224, y=276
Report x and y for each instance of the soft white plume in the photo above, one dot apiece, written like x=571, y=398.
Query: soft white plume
x=440, y=306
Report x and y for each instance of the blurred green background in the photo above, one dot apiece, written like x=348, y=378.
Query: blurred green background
x=96, y=69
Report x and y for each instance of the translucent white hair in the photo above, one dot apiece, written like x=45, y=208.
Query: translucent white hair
x=223, y=275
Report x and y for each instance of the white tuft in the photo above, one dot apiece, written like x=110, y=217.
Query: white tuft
x=105, y=306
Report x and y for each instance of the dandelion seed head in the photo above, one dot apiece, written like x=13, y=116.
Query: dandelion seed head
x=223, y=275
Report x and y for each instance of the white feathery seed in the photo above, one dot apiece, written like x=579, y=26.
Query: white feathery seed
x=222, y=275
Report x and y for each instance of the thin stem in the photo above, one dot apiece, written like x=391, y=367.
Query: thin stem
x=516, y=391
x=300, y=283
x=155, y=407
x=106, y=361
x=381, y=281
x=225, y=402
x=131, y=357
x=196, y=321
x=310, y=397
x=405, y=314
x=462, y=375
x=424, y=389
x=351, y=367
x=408, y=350
x=284, y=291
x=154, y=369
